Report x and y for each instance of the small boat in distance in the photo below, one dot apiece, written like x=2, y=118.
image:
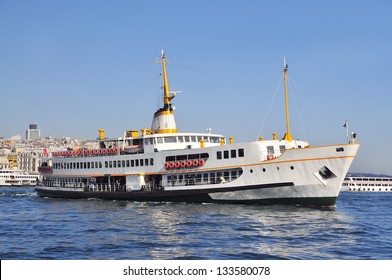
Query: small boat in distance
x=163, y=164
x=16, y=177
x=367, y=184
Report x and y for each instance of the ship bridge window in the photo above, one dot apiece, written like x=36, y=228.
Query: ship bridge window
x=187, y=139
x=282, y=148
x=206, y=139
x=170, y=139
x=214, y=139
x=149, y=141
x=193, y=139
x=270, y=150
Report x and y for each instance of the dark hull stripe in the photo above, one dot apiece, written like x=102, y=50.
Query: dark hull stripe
x=192, y=196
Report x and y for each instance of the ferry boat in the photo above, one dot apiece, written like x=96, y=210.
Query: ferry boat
x=163, y=164
x=367, y=184
x=16, y=177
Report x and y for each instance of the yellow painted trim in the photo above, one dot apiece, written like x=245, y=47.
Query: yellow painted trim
x=269, y=162
x=162, y=113
x=164, y=131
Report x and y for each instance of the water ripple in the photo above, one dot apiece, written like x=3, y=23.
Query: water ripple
x=38, y=228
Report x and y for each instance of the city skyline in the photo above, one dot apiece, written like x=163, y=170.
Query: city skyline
x=74, y=67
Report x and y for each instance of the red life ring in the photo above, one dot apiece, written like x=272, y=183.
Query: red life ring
x=189, y=163
x=183, y=164
x=196, y=162
x=167, y=165
x=178, y=164
x=172, y=164
x=201, y=162
x=269, y=157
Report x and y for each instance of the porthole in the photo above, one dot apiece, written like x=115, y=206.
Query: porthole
x=251, y=171
x=264, y=170
x=292, y=167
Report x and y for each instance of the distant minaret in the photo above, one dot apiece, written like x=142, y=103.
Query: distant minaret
x=163, y=121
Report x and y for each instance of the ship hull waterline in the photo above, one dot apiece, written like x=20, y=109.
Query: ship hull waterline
x=231, y=195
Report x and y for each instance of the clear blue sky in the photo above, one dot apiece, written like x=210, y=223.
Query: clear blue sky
x=75, y=66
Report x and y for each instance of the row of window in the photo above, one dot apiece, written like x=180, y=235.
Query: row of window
x=203, y=178
x=230, y=154
x=204, y=156
x=106, y=164
x=18, y=177
x=182, y=139
x=373, y=179
x=366, y=185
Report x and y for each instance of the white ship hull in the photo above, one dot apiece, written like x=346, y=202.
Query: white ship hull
x=367, y=184
x=292, y=178
x=13, y=177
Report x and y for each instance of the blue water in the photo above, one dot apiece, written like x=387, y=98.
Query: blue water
x=359, y=227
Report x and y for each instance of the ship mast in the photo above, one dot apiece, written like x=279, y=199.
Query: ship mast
x=163, y=120
x=287, y=136
x=166, y=89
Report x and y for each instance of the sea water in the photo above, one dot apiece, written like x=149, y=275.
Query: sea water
x=358, y=227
